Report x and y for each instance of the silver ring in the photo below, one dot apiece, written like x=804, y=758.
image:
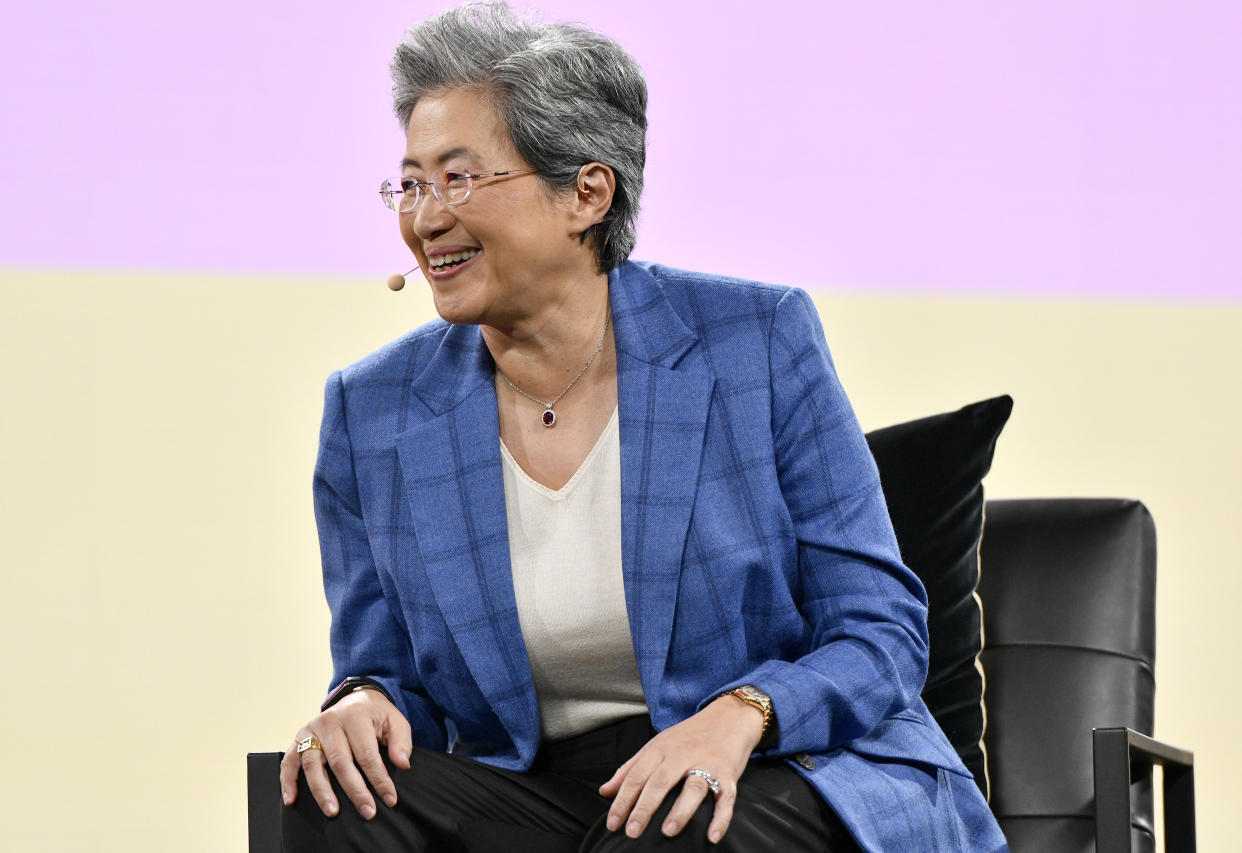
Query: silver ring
x=713, y=784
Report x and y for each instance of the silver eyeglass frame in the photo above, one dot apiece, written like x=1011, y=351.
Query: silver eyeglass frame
x=389, y=192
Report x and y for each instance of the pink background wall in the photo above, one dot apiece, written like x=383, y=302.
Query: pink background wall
x=1061, y=148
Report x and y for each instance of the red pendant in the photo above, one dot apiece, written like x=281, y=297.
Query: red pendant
x=549, y=418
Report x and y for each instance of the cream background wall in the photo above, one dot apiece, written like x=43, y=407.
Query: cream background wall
x=162, y=612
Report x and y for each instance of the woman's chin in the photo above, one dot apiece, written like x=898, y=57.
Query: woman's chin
x=453, y=310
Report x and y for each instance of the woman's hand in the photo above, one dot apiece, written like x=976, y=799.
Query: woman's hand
x=718, y=739
x=351, y=732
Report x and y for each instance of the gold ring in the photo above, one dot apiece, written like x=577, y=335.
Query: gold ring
x=310, y=742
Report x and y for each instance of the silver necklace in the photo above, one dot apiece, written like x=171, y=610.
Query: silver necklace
x=548, y=418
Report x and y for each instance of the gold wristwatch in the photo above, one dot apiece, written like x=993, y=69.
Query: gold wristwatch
x=753, y=696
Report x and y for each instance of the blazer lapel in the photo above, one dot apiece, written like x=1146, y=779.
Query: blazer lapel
x=664, y=394
x=450, y=464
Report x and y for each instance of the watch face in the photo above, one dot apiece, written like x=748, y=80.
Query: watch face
x=755, y=693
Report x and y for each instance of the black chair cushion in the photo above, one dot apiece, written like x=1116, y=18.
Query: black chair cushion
x=931, y=470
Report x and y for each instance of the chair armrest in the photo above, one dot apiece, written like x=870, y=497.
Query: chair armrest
x=263, y=800
x=1121, y=755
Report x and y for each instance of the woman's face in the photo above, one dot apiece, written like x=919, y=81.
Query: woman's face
x=523, y=239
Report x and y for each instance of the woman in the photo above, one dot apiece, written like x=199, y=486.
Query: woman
x=606, y=553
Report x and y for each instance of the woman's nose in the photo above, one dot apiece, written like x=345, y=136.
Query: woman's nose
x=431, y=217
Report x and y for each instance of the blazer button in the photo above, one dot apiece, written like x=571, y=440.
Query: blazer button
x=805, y=761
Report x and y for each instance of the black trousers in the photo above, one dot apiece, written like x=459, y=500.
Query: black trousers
x=453, y=804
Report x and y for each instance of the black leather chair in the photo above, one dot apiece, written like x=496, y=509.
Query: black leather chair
x=1068, y=590
x=1069, y=611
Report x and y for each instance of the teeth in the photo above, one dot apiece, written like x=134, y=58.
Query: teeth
x=454, y=257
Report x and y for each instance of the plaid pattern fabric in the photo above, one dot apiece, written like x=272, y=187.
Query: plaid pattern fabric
x=756, y=549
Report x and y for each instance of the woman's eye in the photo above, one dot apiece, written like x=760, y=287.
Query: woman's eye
x=451, y=178
x=408, y=185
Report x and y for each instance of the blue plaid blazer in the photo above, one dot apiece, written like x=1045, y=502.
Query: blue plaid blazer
x=756, y=549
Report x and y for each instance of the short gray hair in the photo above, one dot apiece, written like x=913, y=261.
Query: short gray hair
x=568, y=96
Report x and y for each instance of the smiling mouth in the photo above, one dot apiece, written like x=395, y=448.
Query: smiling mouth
x=443, y=263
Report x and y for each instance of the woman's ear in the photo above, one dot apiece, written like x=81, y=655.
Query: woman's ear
x=593, y=194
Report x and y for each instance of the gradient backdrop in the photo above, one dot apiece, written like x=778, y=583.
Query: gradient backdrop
x=1039, y=199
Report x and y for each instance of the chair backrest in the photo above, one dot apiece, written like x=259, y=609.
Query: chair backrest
x=1069, y=593
x=263, y=804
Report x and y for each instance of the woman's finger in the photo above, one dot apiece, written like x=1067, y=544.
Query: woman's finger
x=630, y=789
x=360, y=732
x=340, y=757
x=611, y=787
x=400, y=739
x=724, y=812
x=314, y=769
x=290, y=767
x=693, y=790
x=658, y=784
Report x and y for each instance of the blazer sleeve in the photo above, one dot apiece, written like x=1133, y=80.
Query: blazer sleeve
x=867, y=611
x=367, y=638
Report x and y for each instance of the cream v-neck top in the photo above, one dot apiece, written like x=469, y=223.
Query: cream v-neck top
x=565, y=552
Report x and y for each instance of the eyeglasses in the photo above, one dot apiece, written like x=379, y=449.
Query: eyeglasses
x=403, y=193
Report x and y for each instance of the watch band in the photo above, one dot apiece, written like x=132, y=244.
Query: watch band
x=349, y=685
x=756, y=698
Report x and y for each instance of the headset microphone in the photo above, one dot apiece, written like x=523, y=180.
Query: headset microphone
x=396, y=281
